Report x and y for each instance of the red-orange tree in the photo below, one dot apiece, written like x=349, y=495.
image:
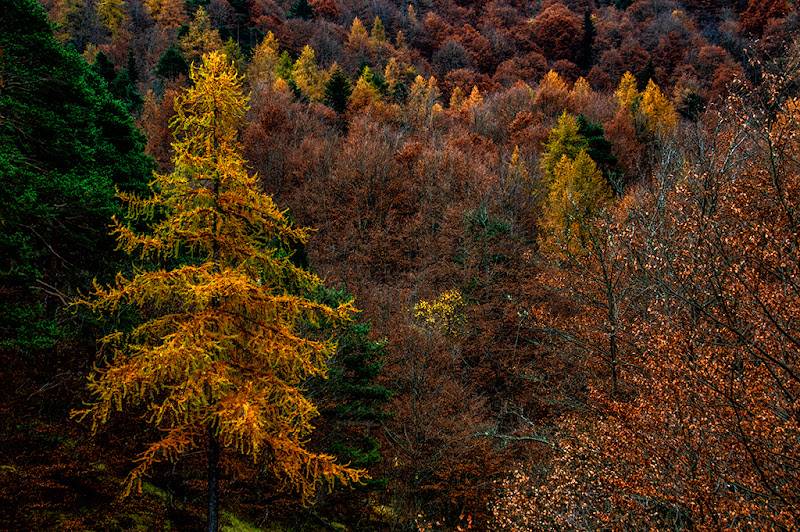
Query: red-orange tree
x=703, y=432
x=219, y=357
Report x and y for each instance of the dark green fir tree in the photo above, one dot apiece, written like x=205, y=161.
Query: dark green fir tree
x=354, y=400
x=586, y=52
x=104, y=67
x=338, y=91
x=301, y=9
x=65, y=144
x=599, y=148
x=172, y=64
x=120, y=84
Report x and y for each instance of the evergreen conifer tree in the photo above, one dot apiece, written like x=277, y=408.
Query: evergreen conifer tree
x=586, y=53
x=598, y=147
x=172, y=64
x=65, y=144
x=338, y=91
x=301, y=9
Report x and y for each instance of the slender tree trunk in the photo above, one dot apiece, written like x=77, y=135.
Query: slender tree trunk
x=213, y=480
x=213, y=441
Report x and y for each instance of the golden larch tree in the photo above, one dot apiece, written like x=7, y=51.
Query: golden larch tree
x=218, y=357
x=308, y=77
x=475, y=98
x=576, y=193
x=563, y=139
x=652, y=112
x=364, y=93
x=111, y=13
x=201, y=38
x=626, y=92
x=422, y=102
x=265, y=60
x=457, y=98
x=378, y=33
x=357, y=38
x=658, y=113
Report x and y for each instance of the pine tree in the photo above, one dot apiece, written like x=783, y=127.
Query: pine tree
x=65, y=144
x=586, y=53
x=301, y=9
x=132, y=67
x=172, y=64
x=337, y=91
x=104, y=67
x=598, y=147
x=122, y=88
x=218, y=359
x=354, y=398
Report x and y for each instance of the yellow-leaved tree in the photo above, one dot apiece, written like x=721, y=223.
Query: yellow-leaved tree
x=200, y=38
x=111, y=12
x=659, y=114
x=265, y=60
x=308, y=77
x=652, y=112
x=446, y=313
x=626, y=92
x=457, y=98
x=219, y=356
x=576, y=193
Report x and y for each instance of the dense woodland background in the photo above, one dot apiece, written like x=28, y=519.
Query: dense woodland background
x=579, y=288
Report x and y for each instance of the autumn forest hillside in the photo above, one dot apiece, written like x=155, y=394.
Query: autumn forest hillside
x=519, y=265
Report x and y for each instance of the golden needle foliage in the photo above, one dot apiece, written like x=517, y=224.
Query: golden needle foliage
x=575, y=194
x=219, y=343
x=651, y=110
